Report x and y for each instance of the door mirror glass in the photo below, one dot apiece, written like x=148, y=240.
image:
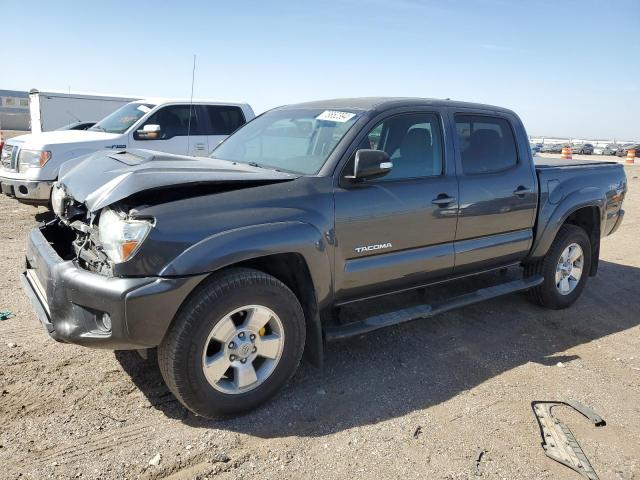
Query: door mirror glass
x=149, y=132
x=370, y=164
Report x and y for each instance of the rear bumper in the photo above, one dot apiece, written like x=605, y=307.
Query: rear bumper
x=85, y=308
x=36, y=192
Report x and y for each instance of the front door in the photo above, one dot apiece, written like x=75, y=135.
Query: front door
x=180, y=131
x=498, y=193
x=397, y=231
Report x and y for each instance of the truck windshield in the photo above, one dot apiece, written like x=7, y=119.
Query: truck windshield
x=120, y=120
x=293, y=140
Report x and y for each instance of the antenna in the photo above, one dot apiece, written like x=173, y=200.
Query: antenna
x=73, y=116
x=69, y=96
x=193, y=75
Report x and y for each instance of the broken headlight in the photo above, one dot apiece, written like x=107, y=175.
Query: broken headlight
x=120, y=236
x=57, y=199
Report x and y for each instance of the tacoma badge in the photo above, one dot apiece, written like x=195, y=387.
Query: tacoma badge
x=369, y=248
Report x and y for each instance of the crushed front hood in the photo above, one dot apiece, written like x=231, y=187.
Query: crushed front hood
x=103, y=178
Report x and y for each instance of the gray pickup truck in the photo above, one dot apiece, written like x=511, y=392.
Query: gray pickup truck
x=234, y=265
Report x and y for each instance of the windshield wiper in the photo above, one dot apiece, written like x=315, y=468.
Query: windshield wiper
x=254, y=164
x=251, y=164
x=98, y=127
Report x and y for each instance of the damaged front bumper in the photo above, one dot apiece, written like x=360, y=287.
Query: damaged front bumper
x=85, y=308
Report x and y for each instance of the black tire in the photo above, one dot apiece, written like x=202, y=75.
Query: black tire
x=180, y=353
x=547, y=294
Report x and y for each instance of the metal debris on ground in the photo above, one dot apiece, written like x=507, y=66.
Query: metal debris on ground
x=559, y=442
x=481, y=453
x=6, y=315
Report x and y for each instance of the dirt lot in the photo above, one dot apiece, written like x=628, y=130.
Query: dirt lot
x=417, y=401
x=7, y=134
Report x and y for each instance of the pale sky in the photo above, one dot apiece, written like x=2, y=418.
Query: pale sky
x=568, y=68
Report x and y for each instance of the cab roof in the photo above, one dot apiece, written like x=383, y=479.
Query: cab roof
x=198, y=101
x=384, y=103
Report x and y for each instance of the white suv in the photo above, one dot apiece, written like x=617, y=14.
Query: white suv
x=29, y=164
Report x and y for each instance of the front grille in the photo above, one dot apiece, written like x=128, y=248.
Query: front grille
x=9, y=157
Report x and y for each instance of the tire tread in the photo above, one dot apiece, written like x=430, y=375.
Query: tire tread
x=191, y=312
x=542, y=295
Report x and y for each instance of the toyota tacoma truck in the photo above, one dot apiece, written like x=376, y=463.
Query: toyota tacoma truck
x=236, y=264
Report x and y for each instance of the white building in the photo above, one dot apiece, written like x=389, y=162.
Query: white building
x=14, y=110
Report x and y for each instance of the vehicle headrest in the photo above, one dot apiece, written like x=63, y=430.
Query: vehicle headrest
x=485, y=141
x=415, y=140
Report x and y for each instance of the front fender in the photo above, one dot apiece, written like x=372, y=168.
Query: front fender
x=553, y=216
x=247, y=243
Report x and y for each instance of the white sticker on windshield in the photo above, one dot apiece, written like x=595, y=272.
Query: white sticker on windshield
x=144, y=108
x=335, y=116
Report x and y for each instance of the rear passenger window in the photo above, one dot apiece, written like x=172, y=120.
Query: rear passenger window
x=486, y=144
x=224, y=120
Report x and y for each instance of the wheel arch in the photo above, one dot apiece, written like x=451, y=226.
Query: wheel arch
x=588, y=218
x=293, y=252
x=579, y=209
x=292, y=270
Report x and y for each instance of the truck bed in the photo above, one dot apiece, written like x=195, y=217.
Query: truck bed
x=564, y=183
x=542, y=163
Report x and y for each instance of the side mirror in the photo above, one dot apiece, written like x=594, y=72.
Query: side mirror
x=148, y=132
x=370, y=164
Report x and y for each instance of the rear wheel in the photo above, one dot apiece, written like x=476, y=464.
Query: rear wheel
x=233, y=344
x=565, y=269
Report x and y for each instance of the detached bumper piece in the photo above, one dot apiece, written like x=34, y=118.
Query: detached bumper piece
x=557, y=439
x=86, y=308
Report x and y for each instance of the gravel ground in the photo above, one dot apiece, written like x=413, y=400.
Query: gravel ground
x=416, y=401
x=7, y=134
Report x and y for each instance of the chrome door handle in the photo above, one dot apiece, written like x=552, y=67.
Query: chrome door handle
x=521, y=191
x=443, y=200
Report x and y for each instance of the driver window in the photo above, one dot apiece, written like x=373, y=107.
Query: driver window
x=412, y=141
x=174, y=121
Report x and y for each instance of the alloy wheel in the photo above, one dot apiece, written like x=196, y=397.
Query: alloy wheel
x=569, y=269
x=243, y=349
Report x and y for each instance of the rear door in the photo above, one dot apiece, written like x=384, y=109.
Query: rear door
x=181, y=131
x=498, y=191
x=221, y=121
x=397, y=231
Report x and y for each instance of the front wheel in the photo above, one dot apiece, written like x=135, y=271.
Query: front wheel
x=565, y=269
x=236, y=341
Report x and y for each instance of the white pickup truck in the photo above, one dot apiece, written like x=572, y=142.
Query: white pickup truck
x=29, y=164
